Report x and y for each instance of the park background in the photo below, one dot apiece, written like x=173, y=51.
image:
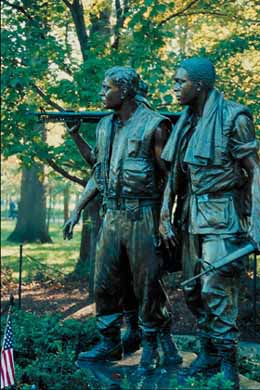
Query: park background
x=54, y=54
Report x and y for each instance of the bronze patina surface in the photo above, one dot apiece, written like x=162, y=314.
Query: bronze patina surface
x=214, y=163
x=130, y=176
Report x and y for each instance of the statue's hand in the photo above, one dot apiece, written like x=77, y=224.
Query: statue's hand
x=254, y=228
x=167, y=232
x=69, y=225
x=255, y=239
x=73, y=127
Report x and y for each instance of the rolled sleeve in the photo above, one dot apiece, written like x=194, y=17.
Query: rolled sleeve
x=243, y=141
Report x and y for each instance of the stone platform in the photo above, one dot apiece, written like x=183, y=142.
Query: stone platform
x=121, y=375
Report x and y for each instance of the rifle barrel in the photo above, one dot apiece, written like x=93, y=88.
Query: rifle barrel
x=245, y=250
x=87, y=116
x=71, y=116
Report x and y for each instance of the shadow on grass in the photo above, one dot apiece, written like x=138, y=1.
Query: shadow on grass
x=40, y=299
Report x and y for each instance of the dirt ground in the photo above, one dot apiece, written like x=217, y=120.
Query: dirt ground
x=72, y=301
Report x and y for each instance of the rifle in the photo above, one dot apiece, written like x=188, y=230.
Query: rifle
x=246, y=249
x=86, y=116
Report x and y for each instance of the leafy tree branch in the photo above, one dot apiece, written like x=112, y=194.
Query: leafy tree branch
x=223, y=14
x=19, y=8
x=64, y=173
x=181, y=12
x=26, y=14
x=46, y=98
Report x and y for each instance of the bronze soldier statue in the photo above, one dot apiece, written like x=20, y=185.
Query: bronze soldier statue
x=213, y=156
x=130, y=176
x=131, y=336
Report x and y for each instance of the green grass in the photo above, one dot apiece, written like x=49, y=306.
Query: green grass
x=60, y=256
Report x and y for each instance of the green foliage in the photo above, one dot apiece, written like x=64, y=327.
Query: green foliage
x=46, y=349
x=215, y=383
x=40, y=48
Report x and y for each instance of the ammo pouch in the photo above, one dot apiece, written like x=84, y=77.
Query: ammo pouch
x=138, y=178
x=214, y=213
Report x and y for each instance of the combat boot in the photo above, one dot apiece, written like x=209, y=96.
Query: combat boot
x=131, y=337
x=207, y=362
x=150, y=356
x=169, y=348
x=229, y=363
x=108, y=348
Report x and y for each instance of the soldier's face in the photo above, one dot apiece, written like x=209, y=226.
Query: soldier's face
x=111, y=94
x=186, y=90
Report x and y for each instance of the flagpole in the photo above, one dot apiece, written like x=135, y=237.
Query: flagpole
x=7, y=362
x=11, y=303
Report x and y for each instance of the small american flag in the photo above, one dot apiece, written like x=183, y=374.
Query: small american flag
x=7, y=359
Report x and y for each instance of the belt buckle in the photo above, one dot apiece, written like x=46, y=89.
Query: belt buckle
x=132, y=207
x=204, y=197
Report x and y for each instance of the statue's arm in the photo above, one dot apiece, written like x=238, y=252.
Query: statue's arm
x=165, y=227
x=252, y=166
x=161, y=136
x=86, y=151
x=84, y=148
x=88, y=194
x=244, y=147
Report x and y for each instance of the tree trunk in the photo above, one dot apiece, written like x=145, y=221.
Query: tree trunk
x=31, y=220
x=77, y=13
x=81, y=270
x=85, y=267
x=95, y=223
x=49, y=209
x=66, y=199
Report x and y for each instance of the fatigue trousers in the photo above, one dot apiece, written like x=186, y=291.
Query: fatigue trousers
x=213, y=299
x=127, y=253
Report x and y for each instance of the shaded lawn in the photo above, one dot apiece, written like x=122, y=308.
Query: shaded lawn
x=70, y=300
x=61, y=256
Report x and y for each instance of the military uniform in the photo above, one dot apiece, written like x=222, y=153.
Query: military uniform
x=126, y=175
x=211, y=185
